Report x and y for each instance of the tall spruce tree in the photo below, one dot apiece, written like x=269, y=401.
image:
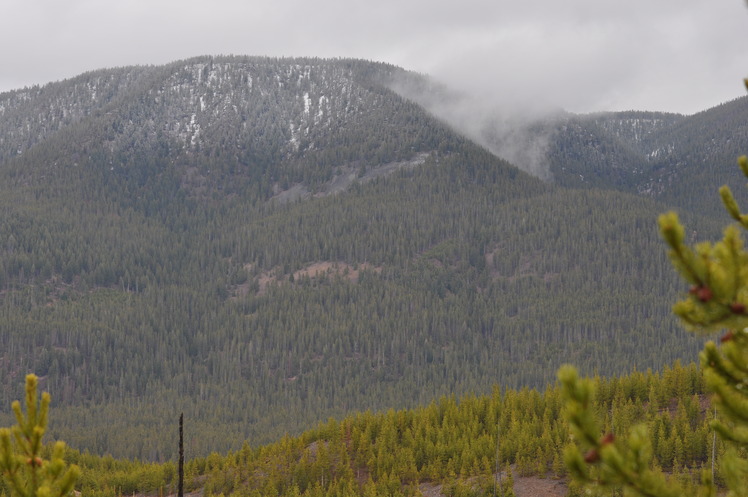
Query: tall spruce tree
x=717, y=300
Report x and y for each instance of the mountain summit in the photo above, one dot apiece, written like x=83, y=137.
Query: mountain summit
x=226, y=123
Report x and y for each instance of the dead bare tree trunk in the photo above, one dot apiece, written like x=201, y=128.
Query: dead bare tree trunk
x=180, y=487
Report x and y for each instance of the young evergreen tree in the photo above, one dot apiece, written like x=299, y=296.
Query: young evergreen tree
x=22, y=467
x=717, y=300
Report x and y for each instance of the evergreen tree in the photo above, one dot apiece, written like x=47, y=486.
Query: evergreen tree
x=24, y=470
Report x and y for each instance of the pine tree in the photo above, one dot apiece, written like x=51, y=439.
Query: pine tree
x=717, y=300
x=508, y=484
x=26, y=473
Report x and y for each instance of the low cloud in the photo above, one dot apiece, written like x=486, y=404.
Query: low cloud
x=516, y=133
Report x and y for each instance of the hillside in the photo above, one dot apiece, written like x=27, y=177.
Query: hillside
x=672, y=158
x=448, y=447
x=163, y=231
x=233, y=124
x=679, y=160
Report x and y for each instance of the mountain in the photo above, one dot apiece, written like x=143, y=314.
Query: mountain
x=263, y=243
x=679, y=160
x=610, y=150
x=226, y=125
x=669, y=157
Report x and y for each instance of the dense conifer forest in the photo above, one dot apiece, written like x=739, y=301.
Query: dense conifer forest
x=450, y=446
x=266, y=243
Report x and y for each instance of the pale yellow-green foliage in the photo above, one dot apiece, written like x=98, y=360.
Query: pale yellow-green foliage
x=24, y=470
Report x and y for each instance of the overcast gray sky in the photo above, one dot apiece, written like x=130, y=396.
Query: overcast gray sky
x=581, y=55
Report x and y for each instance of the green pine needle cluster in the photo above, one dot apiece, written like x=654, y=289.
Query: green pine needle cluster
x=22, y=466
x=718, y=273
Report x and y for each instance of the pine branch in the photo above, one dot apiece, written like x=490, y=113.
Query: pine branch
x=21, y=465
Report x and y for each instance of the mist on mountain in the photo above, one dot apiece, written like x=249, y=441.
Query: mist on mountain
x=515, y=131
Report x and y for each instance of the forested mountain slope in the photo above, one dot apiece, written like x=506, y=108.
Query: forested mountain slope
x=249, y=125
x=679, y=160
x=169, y=241
x=673, y=158
x=609, y=150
